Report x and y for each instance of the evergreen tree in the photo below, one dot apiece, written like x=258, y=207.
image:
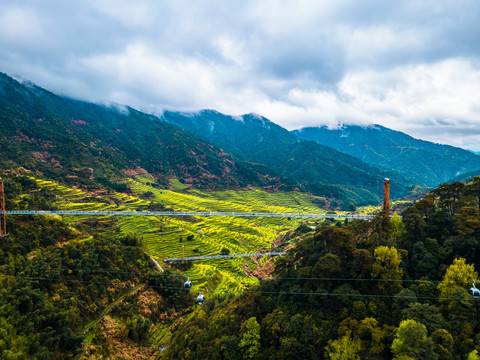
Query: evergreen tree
x=250, y=343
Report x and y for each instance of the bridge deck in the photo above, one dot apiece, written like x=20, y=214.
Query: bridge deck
x=225, y=256
x=186, y=213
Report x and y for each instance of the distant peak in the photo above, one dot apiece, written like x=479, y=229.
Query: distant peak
x=255, y=116
x=340, y=126
x=237, y=118
x=209, y=111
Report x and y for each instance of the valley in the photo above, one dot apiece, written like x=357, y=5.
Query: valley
x=248, y=180
x=78, y=286
x=162, y=237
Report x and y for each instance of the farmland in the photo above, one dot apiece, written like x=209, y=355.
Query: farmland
x=164, y=237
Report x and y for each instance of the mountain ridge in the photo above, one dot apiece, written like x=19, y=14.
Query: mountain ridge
x=426, y=163
x=80, y=142
x=255, y=138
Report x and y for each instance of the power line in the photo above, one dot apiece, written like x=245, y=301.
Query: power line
x=280, y=278
x=274, y=253
x=173, y=275
x=260, y=291
x=355, y=279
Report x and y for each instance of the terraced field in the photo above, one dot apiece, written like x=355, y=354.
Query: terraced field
x=209, y=235
x=164, y=236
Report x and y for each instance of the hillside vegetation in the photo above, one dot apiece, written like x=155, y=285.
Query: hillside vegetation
x=163, y=237
x=390, y=288
x=72, y=290
x=95, y=287
x=83, y=287
x=116, y=307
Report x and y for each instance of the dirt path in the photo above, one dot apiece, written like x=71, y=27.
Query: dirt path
x=157, y=264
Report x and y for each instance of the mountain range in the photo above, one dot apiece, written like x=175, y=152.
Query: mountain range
x=83, y=143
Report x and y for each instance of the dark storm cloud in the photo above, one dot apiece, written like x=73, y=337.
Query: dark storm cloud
x=299, y=63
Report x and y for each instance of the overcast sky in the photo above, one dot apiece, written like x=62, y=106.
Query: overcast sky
x=412, y=66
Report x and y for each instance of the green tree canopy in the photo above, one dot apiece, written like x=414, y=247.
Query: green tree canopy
x=387, y=267
x=473, y=355
x=459, y=275
x=250, y=343
x=411, y=340
x=343, y=349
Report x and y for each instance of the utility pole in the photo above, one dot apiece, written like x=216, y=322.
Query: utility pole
x=183, y=255
x=386, y=197
x=3, y=221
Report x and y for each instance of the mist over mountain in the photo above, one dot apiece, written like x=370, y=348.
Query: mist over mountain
x=80, y=142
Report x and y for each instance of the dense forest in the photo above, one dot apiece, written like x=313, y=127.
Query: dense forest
x=386, y=288
x=56, y=288
x=383, y=289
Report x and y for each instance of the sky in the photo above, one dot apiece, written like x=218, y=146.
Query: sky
x=412, y=66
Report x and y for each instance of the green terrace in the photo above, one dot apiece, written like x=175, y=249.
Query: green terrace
x=163, y=237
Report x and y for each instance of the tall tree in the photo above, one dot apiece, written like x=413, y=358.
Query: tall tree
x=473, y=355
x=387, y=268
x=411, y=341
x=443, y=341
x=250, y=343
x=468, y=221
x=397, y=230
x=343, y=348
x=459, y=276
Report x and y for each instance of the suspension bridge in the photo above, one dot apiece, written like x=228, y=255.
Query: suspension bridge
x=186, y=213
x=271, y=253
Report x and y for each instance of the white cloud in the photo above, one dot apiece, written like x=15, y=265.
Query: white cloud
x=368, y=44
x=409, y=94
x=22, y=29
x=133, y=15
x=412, y=66
x=438, y=102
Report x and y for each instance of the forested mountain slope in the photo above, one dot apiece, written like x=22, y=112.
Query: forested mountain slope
x=255, y=138
x=83, y=143
x=87, y=288
x=423, y=162
x=86, y=144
